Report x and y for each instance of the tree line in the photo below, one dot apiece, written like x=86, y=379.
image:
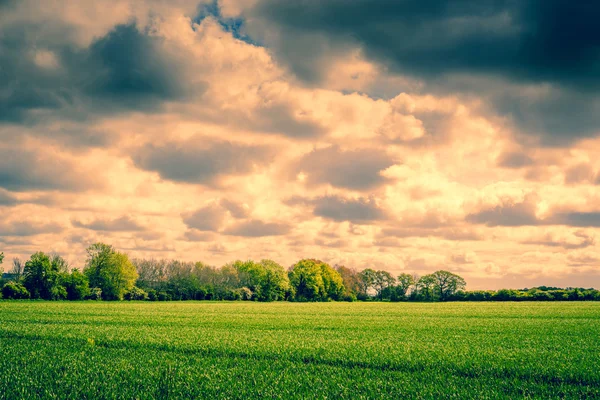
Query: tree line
x=111, y=275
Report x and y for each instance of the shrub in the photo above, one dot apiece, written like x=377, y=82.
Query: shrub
x=95, y=294
x=135, y=294
x=13, y=290
x=152, y=295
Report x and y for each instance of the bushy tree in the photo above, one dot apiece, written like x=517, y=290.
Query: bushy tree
x=135, y=294
x=42, y=276
x=14, y=290
x=18, y=268
x=367, y=281
x=110, y=271
x=76, y=285
x=446, y=284
x=351, y=280
x=314, y=280
x=382, y=280
x=404, y=283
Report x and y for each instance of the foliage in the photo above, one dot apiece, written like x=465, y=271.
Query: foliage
x=42, y=276
x=314, y=280
x=110, y=271
x=76, y=285
x=135, y=293
x=14, y=290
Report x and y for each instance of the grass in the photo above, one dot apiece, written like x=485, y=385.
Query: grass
x=55, y=350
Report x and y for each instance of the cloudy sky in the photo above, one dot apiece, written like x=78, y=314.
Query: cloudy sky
x=405, y=135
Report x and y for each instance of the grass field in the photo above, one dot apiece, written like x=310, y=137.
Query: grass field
x=59, y=350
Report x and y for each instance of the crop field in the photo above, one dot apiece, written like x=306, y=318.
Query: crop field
x=235, y=350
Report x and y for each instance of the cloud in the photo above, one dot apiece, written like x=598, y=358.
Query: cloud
x=256, y=228
x=127, y=69
x=208, y=218
x=237, y=210
x=467, y=46
x=28, y=228
x=7, y=198
x=203, y=162
x=508, y=213
x=579, y=219
x=121, y=224
x=194, y=235
x=358, y=210
x=353, y=169
x=580, y=173
x=579, y=240
x=514, y=160
x=453, y=234
x=22, y=170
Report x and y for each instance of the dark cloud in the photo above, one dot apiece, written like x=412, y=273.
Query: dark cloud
x=202, y=163
x=256, y=228
x=194, y=235
x=579, y=219
x=582, y=240
x=508, y=214
x=453, y=234
x=530, y=42
x=357, y=210
x=22, y=170
x=209, y=218
x=355, y=169
x=237, y=210
x=28, y=228
x=41, y=70
x=7, y=198
x=122, y=224
x=127, y=68
x=581, y=173
x=514, y=159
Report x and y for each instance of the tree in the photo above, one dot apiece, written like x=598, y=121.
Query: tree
x=351, y=281
x=446, y=284
x=14, y=290
x=381, y=281
x=18, y=269
x=1, y=257
x=425, y=287
x=110, y=271
x=276, y=283
x=367, y=280
x=332, y=282
x=42, y=276
x=314, y=280
x=76, y=285
x=405, y=281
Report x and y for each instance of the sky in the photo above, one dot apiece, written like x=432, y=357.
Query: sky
x=407, y=136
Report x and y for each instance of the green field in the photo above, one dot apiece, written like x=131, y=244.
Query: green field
x=234, y=350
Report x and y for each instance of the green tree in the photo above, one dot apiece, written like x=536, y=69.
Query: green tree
x=447, y=284
x=110, y=271
x=14, y=290
x=306, y=279
x=76, y=285
x=382, y=280
x=332, y=282
x=426, y=288
x=314, y=280
x=42, y=276
x=276, y=283
x=367, y=281
x=1, y=257
x=405, y=282
x=350, y=277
